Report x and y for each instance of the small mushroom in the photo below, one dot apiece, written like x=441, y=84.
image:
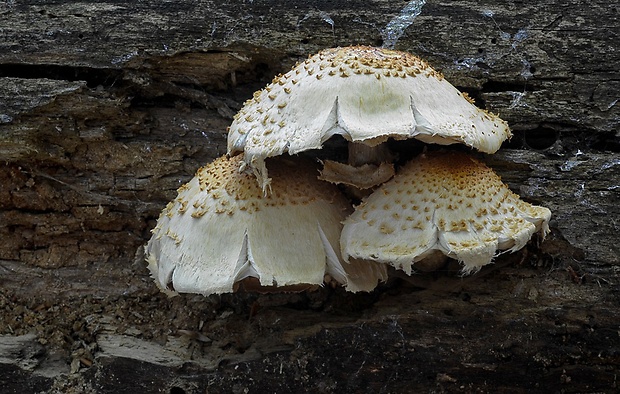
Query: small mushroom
x=365, y=94
x=441, y=202
x=222, y=230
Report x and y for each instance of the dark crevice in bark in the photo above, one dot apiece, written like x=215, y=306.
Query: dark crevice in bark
x=94, y=77
x=498, y=86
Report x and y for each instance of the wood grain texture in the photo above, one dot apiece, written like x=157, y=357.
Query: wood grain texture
x=106, y=108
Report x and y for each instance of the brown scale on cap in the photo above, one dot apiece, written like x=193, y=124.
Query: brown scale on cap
x=371, y=60
x=227, y=190
x=458, y=206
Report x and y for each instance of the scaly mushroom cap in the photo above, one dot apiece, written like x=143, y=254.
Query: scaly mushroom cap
x=221, y=229
x=365, y=94
x=446, y=202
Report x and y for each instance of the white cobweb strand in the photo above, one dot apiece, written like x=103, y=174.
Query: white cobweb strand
x=397, y=26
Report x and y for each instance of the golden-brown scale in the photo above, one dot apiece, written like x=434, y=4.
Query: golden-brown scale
x=227, y=190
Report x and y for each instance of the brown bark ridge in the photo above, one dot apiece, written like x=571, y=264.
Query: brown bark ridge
x=106, y=108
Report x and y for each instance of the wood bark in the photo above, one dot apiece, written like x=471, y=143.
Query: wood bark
x=106, y=108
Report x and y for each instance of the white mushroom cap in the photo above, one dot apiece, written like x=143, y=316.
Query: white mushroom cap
x=447, y=202
x=222, y=229
x=365, y=94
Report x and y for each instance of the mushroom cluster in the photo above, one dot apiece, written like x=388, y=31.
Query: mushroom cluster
x=264, y=218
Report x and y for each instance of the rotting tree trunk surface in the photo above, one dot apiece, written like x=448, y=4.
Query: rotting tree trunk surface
x=107, y=107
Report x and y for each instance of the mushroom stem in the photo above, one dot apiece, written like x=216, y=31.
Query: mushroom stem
x=367, y=167
x=360, y=154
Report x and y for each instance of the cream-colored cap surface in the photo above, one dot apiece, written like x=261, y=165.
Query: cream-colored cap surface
x=441, y=201
x=365, y=94
x=221, y=228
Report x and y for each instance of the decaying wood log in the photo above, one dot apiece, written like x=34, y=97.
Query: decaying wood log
x=107, y=108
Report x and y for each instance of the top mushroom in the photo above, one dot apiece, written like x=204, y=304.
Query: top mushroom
x=365, y=94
